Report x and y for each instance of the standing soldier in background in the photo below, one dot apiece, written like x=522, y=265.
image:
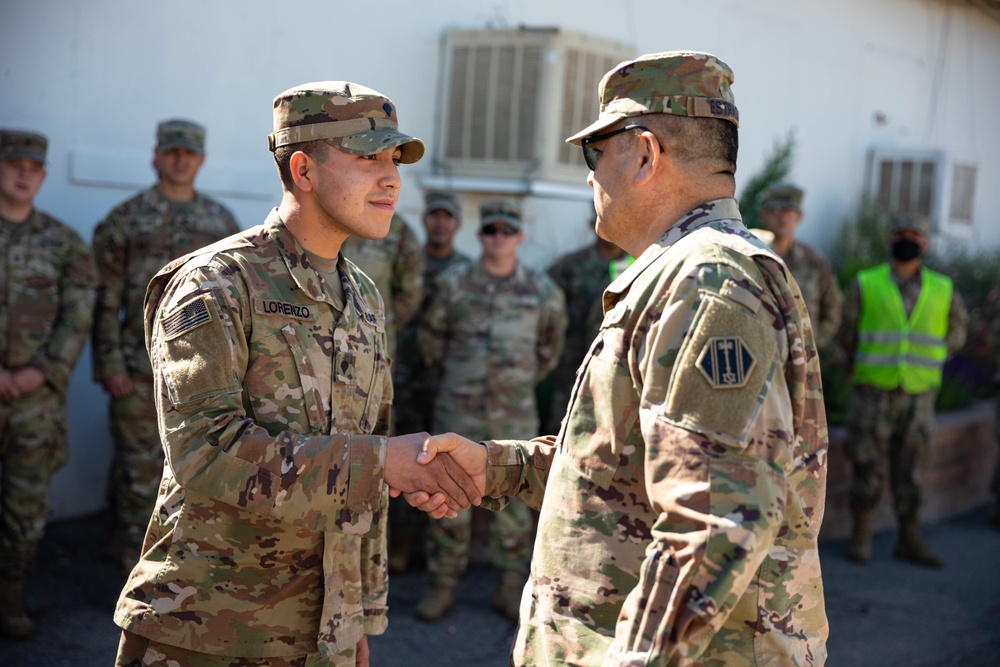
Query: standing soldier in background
x=582, y=276
x=46, y=300
x=494, y=327
x=134, y=241
x=901, y=322
x=781, y=212
x=415, y=384
x=395, y=265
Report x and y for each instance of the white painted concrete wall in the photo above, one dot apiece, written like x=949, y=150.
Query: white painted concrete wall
x=97, y=75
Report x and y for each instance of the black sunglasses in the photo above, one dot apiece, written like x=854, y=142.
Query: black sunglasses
x=493, y=230
x=591, y=155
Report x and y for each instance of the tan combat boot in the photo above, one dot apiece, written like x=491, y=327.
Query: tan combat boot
x=507, y=599
x=911, y=546
x=435, y=602
x=14, y=621
x=860, y=548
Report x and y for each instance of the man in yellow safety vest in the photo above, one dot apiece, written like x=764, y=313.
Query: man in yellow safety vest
x=901, y=322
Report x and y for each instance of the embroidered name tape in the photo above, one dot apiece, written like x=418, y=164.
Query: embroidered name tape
x=275, y=307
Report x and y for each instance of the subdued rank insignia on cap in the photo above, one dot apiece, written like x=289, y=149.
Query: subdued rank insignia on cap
x=726, y=362
x=186, y=318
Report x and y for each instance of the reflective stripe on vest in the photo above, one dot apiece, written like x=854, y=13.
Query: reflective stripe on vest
x=894, y=351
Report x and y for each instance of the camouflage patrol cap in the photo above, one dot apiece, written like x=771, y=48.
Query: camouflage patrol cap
x=448, y=201
x=350, y=117
x=17, y=144
x=500, y=209
x=784, y=195
x=177, y=133
x=682, y=83
x=910, y=221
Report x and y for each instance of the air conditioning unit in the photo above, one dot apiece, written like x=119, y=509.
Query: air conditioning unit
x=511, y=97
x=931, y=182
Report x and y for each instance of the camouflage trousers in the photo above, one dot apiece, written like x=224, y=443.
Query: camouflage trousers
x=137, y=651
x=512, y=528
x=889, y=425
x=33, y=446
x=136, y=468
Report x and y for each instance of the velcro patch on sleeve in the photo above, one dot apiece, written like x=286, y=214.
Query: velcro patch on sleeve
x=195, y=356
x=720, y=375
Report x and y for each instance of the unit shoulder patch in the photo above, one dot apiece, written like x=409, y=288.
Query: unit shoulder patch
x=726, y=362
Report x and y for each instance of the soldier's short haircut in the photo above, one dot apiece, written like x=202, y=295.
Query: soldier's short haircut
x=283, y=156
x=697, y=139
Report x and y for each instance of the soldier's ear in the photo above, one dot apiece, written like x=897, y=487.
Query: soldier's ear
x=301, y=167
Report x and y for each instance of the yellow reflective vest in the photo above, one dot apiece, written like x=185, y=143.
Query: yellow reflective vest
x=894, y=351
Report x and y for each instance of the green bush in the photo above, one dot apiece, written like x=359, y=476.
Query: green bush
x=777, y=167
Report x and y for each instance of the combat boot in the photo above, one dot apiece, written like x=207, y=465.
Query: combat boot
x=911, y=546
x=507, y=599
x=860, y=548
x=14, y=621
x=435, y=602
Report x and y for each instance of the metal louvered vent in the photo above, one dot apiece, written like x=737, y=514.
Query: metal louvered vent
x=512, y=96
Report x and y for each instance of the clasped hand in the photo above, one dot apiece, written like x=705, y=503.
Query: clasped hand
x=440, y=475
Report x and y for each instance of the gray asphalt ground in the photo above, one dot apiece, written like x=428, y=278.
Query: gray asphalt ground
x=886, y=614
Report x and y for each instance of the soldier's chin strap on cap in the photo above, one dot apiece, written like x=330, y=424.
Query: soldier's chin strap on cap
x=329, y=130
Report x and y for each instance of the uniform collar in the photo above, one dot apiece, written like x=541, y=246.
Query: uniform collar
x=312, y=284
x=698, y=217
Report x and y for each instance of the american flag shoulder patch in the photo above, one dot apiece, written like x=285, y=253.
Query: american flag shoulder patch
x=186, y=318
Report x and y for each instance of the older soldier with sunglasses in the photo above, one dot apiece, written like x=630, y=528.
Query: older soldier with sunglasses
x=494, y=328
x=682, y=500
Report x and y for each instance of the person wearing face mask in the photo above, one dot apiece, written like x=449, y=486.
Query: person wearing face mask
x=901, y=322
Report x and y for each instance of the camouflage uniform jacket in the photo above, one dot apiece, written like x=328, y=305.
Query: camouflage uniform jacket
x=396, y=266
x=134, y=241
x=909, y=291
x=47, y=281
x=684, y=494
x=582, y=276
x=493, y=339
x=819, y=288
x=268, y=536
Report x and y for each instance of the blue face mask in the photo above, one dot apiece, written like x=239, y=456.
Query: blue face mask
x=905, y=249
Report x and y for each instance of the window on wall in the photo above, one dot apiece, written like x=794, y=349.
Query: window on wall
x=963, y=192
x=927, y=182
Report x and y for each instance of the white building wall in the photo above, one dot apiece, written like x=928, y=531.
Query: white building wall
x=97, y=75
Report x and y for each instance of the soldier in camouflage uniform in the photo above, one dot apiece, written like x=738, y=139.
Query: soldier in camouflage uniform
x=684, y=494
x=46, y=298
x=781, y=212
x=494, y=327
x=134, y=241
x=267, y=544
x=415, y=384
x=395, y=265
x=901, y=322
x=582, y=276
